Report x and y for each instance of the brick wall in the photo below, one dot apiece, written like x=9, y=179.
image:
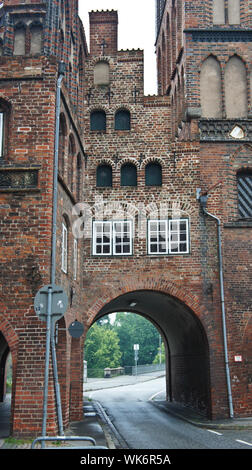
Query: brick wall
x=168, y=129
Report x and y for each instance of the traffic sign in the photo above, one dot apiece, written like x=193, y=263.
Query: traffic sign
x=59, y=302
x=76, y=329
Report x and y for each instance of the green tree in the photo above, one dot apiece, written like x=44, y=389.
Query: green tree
x=157, y=358
x=135, y=329
x=102, y=348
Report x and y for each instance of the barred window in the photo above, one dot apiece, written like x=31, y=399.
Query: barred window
x=244, y=182
x=169, y=236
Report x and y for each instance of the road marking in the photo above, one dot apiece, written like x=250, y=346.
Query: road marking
x=244, y=442
x=155, y=395
x=215, y=432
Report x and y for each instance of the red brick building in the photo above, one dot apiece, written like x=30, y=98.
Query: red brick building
x=139, y=239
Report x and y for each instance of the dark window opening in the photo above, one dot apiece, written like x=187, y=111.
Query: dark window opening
x=128, y=175
x=122, y=120
x=104, y=176
x=98, y=121
x=153, y=174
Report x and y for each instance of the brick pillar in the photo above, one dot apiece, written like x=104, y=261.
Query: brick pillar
x=103, y=30
x=76, y=381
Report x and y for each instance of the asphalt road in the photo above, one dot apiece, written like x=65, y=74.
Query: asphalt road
x=144, y=426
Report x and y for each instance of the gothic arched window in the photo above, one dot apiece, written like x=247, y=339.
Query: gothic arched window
x=36, y=31
x=210, y=88
x=235, y=85
x=19, y=39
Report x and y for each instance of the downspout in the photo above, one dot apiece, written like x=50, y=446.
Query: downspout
x=49, y=324
x=203, y=202
x=55, y=171
x=54, y=239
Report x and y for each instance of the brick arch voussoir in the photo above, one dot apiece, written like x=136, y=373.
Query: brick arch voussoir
x=10, y=335
x=183, y=295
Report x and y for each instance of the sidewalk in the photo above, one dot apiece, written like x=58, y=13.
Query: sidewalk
x=120, y=381
x=192, y=417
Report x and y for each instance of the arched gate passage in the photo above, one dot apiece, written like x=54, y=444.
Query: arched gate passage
x=4, y=352
x=188, y=379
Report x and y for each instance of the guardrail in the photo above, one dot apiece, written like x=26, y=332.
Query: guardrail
x=42, y=440
x=112, y=372
x=109, y=372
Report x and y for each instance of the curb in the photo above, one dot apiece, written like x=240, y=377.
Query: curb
x=209, y=424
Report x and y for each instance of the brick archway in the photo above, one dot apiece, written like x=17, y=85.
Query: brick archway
x=182, y=294
x=177, y=314
x=11, y=339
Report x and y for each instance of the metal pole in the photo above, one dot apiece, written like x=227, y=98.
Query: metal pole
x=55, y=175
x=47, y=360
x=160, y=347
x=229, y=388
x=54, y=239
x=56, y=383
x=136, y=357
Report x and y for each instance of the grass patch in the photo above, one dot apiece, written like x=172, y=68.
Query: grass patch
x=17, y=442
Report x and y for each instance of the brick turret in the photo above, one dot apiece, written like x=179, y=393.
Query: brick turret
x=103, y=32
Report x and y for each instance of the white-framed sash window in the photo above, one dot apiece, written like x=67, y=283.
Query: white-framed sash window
x=75, y=259
x=112, y=238
x=64, y=247
x=168, y=236
x=178, y=236
x=122, y=238
x=158, y=237
x=102, y=238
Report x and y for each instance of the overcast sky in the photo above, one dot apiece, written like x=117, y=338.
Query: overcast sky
x=135, y=30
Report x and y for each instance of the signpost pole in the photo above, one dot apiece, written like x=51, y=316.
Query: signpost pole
x=136, y=349
x=56, y=382
x=47, y=360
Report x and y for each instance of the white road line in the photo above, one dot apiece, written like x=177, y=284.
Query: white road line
x=244, y=442
x=155, y=395
x=215, y=432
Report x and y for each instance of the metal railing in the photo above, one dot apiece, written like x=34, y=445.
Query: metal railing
x=65, y=439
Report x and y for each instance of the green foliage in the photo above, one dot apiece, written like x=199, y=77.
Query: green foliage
x=102, y=348
x=111, y=344
x=135, y=329
x=157, y=358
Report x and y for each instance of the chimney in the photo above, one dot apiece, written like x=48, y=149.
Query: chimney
x=103, y=32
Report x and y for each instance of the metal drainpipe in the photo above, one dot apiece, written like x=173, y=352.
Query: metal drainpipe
x=203, y=202
x=55, y=174
x=54, y=239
